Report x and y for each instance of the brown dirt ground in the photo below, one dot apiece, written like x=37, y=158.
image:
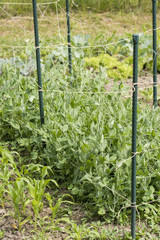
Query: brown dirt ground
x=145, y=82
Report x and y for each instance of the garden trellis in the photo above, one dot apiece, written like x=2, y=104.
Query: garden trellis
x=83, y=90
x=38, y=61
x=154, y=54
x=69, y=37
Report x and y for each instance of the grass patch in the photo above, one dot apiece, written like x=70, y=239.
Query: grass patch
x=16, y=30
x=97, y=5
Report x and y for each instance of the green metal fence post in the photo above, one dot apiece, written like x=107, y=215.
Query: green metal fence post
x=154, y=54
x=38, y=61
x=69, y=36
x=134, y=133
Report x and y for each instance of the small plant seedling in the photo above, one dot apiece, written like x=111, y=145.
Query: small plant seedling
x=2, y=232
x=55, y=207
x=19, y=200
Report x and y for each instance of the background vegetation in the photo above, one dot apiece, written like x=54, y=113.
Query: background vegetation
x=94, y=5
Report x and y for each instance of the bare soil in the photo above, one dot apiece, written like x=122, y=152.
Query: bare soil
x=145, y=82
x=44, y=230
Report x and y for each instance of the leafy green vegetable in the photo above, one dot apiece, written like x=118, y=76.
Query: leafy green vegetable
x=115, y=69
